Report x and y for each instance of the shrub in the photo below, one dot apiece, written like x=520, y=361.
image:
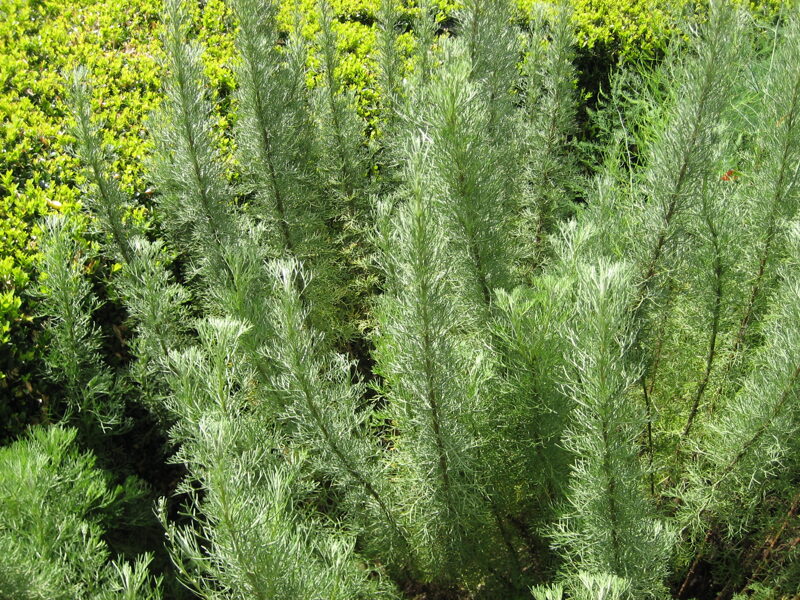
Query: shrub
x=595, y=400
x=45, y=39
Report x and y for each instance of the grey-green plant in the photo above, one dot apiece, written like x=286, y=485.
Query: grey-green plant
x=391, y=64
x=225, y=250
x=747, y=442
x=342, y=167
x=55, y=507
x=549, y=177
x=317, y=401
x=186, y=165
x=681, y=158
x=470, y=194
x=155, y=303
x=429, y=397
x=248, y=537
x=493, y=50
x=91, y=394
x=595, y=400
x=277, y=148
x=585, y=586
x=273, y=130
x=527, y=412
x=608, y=524
x=769, y=202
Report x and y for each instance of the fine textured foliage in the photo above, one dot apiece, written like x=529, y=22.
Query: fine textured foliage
x=74, y=356
x=54, y=505
x=247, y=512
x=428, y=397
x=608, y=527
x=429, y=353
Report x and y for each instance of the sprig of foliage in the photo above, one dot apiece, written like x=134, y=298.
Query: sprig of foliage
x=186, y=165
x=54, y=505
x=247, y=536
x=274, y=132
x=609, y=526
x=549, y=176
x=427, y=378
x=91, y=392
x=750, y=437
x=155, y=303
x=321, y=407
x=473, y=198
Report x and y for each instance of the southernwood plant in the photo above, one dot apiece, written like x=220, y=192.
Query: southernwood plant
x=438, y=356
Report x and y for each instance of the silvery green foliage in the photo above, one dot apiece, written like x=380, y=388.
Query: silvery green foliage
x=429, y=397
x=399, y=72
x=155, y=303
x=464, y=106
x=643, y=214
x=550, y=175
x=105, y=198
x=186, y=167
x=608, y=525
x=277, y=143
x=684, y=226
x=491, y=44
x=502, y=407
x=390, y=62
x=243, y=293
x=425, y=27
x=586, y=586
x=771, y=193
x=527, y=345
x=226, y=250
x=248, y=538
x=493, y=49
x=527, y=413
x=317, y=402
x=343, y=171
x=680, y=160
x=707, y=273
x=53, y=505
x=748, y=441
x=466, y=182
x=274, y=132
x=91, y=394
x=667, y=218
